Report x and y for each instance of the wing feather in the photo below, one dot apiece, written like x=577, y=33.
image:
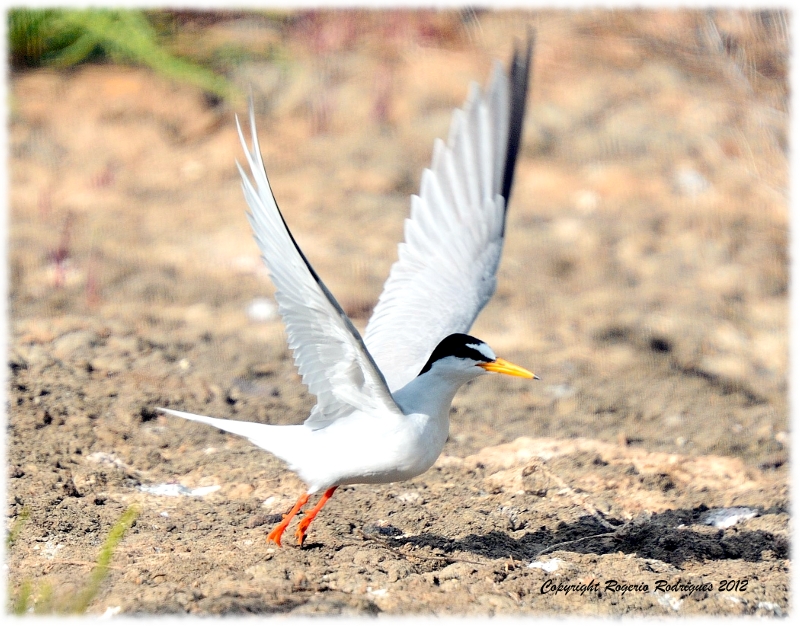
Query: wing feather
x=445, y=272
x=329, y=353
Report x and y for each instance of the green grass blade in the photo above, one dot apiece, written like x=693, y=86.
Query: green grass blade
x=79, y=50
x=127, y=36
x=44, y=603
x=21, y=602
x=68, y=37
x=16, y=529
x=100, y=571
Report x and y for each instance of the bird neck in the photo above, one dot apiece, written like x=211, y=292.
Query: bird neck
x=430, y=393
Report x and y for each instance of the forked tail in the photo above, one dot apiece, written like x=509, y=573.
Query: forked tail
x=283, y=441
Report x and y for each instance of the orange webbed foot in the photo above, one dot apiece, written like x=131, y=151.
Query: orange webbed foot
x=302, y=527
x=277, y=532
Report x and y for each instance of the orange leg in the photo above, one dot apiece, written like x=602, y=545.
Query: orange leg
x=309, y=517
x=276, y=533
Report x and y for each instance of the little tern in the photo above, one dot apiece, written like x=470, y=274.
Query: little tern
x=383, y=401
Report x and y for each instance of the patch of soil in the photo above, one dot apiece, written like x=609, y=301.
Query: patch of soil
x=644, y=279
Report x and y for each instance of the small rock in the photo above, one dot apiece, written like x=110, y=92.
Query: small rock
x=497, y=602
x=126, y=345
x=380, y=529
x=262, y=310
x=199, y=492
x=260, y=519
x=65, y=346
x=262, y=370
x=546, y=566
x=410, y=497
x=165, y=489
x=240, y=491
x=560, y=391
x=377, y=592
x=456, y=571
x=261, y=570
x=300, y=580
x=175, y=489
x=107, y=364
x=277, y=505
x=665, y=599
x=70, y=489
x=689, y=182
x=771, y=608
x=725, y=518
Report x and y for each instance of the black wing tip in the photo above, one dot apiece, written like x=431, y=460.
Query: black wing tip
x=519, y=79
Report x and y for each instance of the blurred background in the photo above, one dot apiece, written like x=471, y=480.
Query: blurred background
x=644, y=279
x=645, y=272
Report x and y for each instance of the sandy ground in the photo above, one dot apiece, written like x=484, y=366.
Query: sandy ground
x=644, y=279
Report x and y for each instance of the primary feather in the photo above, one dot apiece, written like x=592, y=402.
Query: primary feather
x=446, y=268
x=328, y=350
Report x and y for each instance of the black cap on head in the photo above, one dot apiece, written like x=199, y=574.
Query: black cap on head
x=460, y=346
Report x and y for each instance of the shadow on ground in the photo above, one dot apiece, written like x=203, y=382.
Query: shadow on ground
x=674, y=537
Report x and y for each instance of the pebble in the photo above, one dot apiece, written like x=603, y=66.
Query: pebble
x=771, y=607
x=725, y=518
x=669, y=601
x=262, y=519
x=262, y=310
x=381, y=529
x=409, y=497
x=546, y=566
x=689, y=182
x=107, y=364
x=456, y=571
x=175, y=489
x=65, y=346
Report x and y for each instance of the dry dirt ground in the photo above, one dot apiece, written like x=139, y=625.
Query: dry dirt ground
x=644, y=279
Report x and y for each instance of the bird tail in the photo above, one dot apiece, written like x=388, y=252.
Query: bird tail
x=282, y=441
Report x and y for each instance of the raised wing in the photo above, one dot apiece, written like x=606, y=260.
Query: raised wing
x=445, y=272
x=328, y=350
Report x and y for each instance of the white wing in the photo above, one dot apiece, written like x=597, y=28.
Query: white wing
x=445, y=272
x=328, y=350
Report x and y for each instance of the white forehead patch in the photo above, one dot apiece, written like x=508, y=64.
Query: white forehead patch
x=484, y=349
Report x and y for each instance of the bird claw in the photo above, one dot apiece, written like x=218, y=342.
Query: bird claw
x=300, y=534
x=277, y=532
x=275, y=535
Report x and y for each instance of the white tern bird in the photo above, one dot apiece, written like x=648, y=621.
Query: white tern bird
x=383, y=402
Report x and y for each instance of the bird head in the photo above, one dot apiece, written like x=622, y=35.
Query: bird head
x=464, y=356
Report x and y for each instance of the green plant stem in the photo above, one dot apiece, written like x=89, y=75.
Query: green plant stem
x=100, y=571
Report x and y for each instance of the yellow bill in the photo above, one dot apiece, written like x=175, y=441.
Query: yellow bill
x=501, y=366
